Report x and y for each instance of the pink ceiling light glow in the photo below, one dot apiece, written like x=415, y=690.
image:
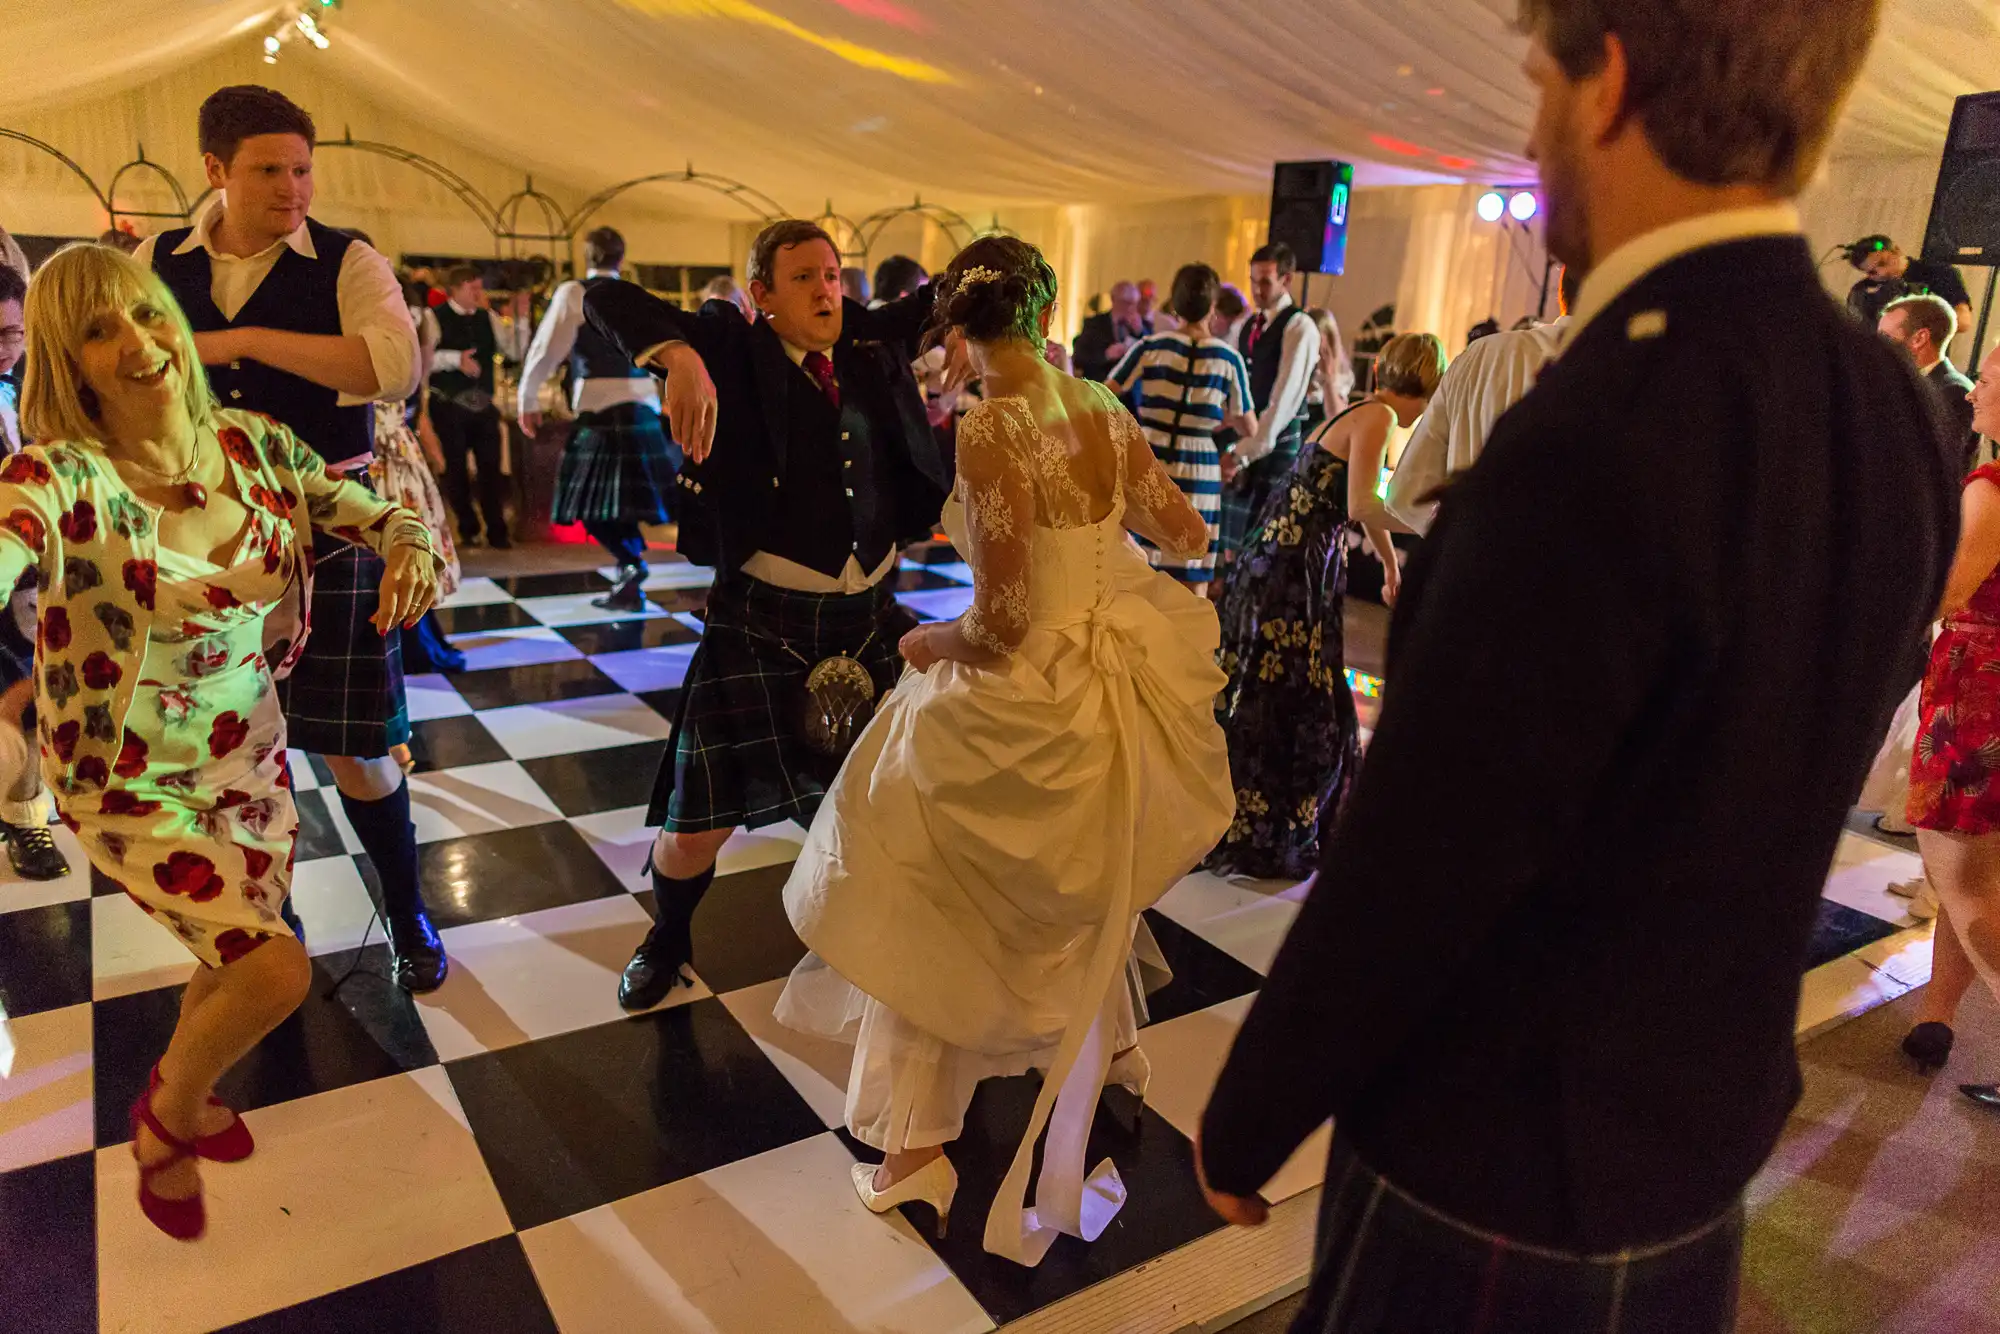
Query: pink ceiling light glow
x=886, y=11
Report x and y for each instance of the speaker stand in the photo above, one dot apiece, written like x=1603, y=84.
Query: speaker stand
x=1985, y=315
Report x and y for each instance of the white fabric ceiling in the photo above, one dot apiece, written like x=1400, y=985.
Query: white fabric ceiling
x=868, y=102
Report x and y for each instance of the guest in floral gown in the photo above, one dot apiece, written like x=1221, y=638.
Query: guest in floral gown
x=1294, y=736
x=177, y=586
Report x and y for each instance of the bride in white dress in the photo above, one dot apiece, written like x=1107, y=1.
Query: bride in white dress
x=1049, y=767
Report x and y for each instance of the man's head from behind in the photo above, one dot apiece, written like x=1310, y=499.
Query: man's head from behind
x=604, y=249
x=1637, y=95
x=795, y=281
x=257, y=147
x=1271, y=270
x=13, y=326
x=1925, y=325
x=897, y=277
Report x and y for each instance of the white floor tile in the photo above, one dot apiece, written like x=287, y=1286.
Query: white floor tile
x=477, y=591
x=621, y=841
x=45, y=1087
x=477, y=799
x=431, y=696
x=576, y=609
x=1841, y=990
x=1244, y=918
x=940, y=603
x=676, y=574
x=817, y=1067
x=951, y=569
x=530, y=731
x=749, y=849
x=774, y=1242
x=642, y=669
x=17, y=892
x=332, y=901
x=345, y=1186
x=130, y=952
x=1187, y=1055
x=523, y=646
x=521, y=978
x=303, y=777
x=1904, y=958
x=1862, y=872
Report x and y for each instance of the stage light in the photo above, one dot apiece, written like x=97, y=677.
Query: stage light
x=1491, y=206
x=1523, y=206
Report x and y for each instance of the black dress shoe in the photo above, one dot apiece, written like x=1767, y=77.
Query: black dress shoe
x=656, y=966
x=1986, y=1095
x=420, y=962
x=628, y=594
x=33, y=851
x=1929, y=1045
x=501, y=542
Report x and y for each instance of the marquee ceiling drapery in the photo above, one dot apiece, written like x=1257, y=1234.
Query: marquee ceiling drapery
x=869, y=102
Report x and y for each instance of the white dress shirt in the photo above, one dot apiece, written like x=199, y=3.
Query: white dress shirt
x=1484, y=381
x=556, y=339
x=10, y=419
x=370, y=298
x=801, y=579
x=431, y=332
x=1288, y=392
x=1641, y=255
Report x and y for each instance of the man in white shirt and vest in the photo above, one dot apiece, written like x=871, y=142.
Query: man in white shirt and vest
x=1281, y=347
x=306, y=324
x=619, y=467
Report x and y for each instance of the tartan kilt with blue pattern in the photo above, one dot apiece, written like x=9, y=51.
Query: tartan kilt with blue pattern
x=1244, y=495
x=619, y=466
x=735, y=759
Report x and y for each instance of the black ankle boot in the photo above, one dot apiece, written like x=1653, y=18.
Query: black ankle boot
x=656, y=965
x=391, y=844
x=628, y=594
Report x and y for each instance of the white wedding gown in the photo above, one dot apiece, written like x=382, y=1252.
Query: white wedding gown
x=971, y=886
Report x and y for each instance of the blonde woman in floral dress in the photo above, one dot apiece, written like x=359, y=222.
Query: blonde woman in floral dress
x=1294, y=736
x=171, y=542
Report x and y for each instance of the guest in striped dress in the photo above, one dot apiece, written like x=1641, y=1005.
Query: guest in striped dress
x=1189, y=387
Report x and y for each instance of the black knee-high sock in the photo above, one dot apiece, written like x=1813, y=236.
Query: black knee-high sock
x=390, y=841
x=676, y=901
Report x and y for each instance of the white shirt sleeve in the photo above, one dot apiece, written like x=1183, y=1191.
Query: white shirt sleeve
x=554, y=341
x=371, y=306
x=1422, y=468
x=144, y=254
x=1288, y=394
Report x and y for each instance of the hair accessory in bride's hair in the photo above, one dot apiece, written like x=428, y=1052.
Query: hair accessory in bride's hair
x=979, y=273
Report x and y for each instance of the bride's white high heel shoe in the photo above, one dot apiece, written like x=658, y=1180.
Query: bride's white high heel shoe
x=1132, y=1072
x=934, y=1184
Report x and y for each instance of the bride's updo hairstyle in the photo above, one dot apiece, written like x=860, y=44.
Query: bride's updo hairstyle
x=995, y=290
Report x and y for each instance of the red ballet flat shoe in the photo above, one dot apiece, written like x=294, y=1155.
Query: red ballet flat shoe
x=183, y=1220
x=232, y=1144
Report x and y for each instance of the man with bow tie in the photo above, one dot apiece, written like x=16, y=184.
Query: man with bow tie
x=1281, y=347
x=822, y=468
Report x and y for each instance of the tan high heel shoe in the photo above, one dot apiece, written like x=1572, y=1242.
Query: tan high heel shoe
x=935, y=1183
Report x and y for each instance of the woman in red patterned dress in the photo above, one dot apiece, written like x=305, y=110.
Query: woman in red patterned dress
x=1955, y=769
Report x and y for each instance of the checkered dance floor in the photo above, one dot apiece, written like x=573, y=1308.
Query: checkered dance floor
x=514, y=1153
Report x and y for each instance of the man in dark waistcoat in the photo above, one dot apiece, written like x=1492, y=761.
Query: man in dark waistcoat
x=463, y=336
x=618, y=467
x=1281, y=347
x=307, y=325
x=823, y=467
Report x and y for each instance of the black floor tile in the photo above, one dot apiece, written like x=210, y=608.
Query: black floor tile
x=369, y=1029
x=484, y=617
x=452, y=743
x=591, y=781
x=1840, y=931
x=542, y=683
x=318, y=835
x=479, y=877
x=666, y=703
x=624, y=636
x=101, y=883
x=573, y=1122
x=1163, y=1207
x=1203, y=974
x=44, y=959
x=692, y=600
x=48, y=1238
x=554, y=585
x=485, y=1289
x=741, y=934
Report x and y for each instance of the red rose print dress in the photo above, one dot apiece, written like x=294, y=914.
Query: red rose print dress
x=1956, y=762
x=196, y=821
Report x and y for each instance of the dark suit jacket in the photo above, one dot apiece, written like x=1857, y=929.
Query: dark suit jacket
x=1089, y=353
x=726, y=509
x=1548, y=977
x=1951, y=388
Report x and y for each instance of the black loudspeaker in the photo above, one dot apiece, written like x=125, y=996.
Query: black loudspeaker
x=1965, y=211
x=1309, y=212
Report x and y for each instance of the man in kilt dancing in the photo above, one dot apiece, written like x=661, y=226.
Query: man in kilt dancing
x=619, y=466
x=1281, y=346
x=307, y=325
x=823, y=467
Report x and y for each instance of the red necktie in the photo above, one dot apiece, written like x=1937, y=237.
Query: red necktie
x=1256, y=331
x=820, y=366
